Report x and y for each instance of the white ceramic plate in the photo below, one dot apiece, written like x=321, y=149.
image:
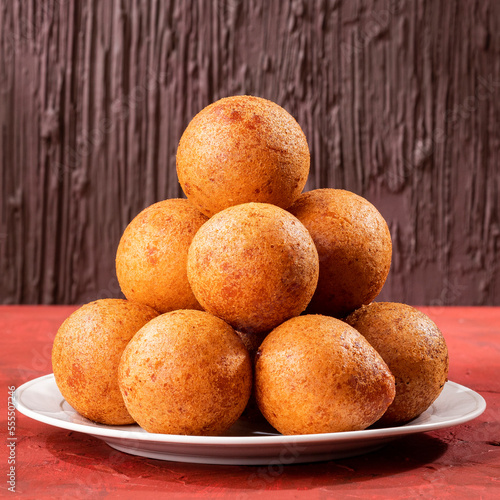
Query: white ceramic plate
x=244, y=444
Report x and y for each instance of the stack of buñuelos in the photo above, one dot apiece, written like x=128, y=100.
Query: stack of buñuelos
x=249, y=290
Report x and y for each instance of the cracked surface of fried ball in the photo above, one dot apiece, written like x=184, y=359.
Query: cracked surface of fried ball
x=241, y=149
x=316, y=374
x=86, y=354
x=415, y=351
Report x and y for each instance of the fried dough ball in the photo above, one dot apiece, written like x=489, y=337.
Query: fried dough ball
x=354, y=247
x=413, y=348
x=186, y=372
x=152, y=255
x=316, y=374
x=86, y=353
x=242, y=149
x=253, y=265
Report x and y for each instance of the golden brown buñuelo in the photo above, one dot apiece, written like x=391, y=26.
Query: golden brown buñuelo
x=152, y=255
x=242, y=149
x=186, y=372
x=253, y=265
x=86, y=353
x=316, y=374
x=354, y=247
x=413, y=348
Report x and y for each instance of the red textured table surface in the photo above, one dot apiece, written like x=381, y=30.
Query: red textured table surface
x=459, y=462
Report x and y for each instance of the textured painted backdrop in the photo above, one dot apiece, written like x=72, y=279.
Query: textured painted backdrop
x=399, y=101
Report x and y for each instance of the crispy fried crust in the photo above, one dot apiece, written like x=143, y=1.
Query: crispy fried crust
x=253, y=265
x=316, y=374
x=354, y=247
x=86, y=353
x=152, y=255
x=413, y=348
x=186, y=372
x=242, y=149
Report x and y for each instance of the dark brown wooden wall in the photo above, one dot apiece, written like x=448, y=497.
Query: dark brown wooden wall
x=399, y=101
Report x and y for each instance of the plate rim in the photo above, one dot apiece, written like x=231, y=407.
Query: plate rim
x=103, y=431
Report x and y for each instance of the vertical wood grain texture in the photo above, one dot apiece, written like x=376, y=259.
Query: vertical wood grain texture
x=399, y=101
